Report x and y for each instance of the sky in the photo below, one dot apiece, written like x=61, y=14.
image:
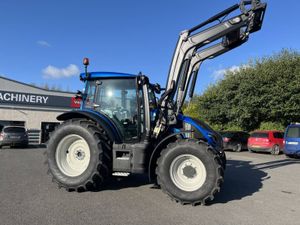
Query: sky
x=45, y=41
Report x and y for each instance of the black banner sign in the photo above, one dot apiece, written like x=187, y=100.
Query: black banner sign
x=36, y=100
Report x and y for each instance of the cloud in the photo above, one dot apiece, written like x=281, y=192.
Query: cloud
x=52, y=72
x=219, y=74
x=43, y=43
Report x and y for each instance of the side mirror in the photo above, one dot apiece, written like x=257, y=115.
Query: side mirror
x=157, y=88
x=80, y=96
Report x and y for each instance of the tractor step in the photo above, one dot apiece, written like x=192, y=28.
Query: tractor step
x=120, y=174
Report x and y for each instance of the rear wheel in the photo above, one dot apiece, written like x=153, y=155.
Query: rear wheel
x=223, y=161
x=79, y=155
x=72, y=155
x=275, y=150
x=189, y=172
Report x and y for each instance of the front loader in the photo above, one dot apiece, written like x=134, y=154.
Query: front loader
x=122, y=128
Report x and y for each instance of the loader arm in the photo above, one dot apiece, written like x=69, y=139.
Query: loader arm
x=196, y=62
x=190, y=52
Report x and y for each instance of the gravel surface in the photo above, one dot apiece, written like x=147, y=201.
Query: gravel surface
x=259, y=189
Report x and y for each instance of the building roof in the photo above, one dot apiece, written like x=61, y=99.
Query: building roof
x=12, y=85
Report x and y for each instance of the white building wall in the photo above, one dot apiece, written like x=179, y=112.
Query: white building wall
x=32, y=118
x=33, y=113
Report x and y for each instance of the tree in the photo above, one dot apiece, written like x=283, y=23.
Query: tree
x=267, y=90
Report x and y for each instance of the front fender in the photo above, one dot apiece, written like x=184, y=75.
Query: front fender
x=212, y=137
x=156, y=152
x=103, y=120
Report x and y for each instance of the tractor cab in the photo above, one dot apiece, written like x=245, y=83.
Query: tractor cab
x=115, y=96
x=121, y=98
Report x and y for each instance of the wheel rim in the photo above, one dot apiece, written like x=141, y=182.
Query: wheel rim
x=188, y=172
x=276, y=150
x=72, y=155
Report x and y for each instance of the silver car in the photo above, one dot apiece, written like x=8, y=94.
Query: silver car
x=13, y=136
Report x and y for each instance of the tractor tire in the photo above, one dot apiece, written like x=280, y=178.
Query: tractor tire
x=223, y=161
x=79, y=155
x=189, y=172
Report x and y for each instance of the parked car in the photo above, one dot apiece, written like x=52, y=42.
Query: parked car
x=266, y=141
x=234, y=140
x=292, y=141
x=13, y=136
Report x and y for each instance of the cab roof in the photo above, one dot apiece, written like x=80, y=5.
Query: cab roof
x=94, y=75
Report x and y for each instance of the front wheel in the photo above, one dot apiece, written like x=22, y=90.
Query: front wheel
x=189, y=172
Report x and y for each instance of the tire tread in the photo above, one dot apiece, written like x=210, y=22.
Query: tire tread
x=219, y=169
x=103, y=171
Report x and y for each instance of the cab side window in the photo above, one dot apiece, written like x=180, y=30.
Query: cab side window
x=117, y=98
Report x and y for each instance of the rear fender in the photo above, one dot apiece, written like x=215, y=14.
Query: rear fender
x=103, y=120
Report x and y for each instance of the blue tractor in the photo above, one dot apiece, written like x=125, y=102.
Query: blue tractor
x=123, y=128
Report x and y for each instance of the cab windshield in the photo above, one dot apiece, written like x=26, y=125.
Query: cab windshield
x=115, y=98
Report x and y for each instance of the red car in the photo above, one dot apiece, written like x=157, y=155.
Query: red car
x=266, y=141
